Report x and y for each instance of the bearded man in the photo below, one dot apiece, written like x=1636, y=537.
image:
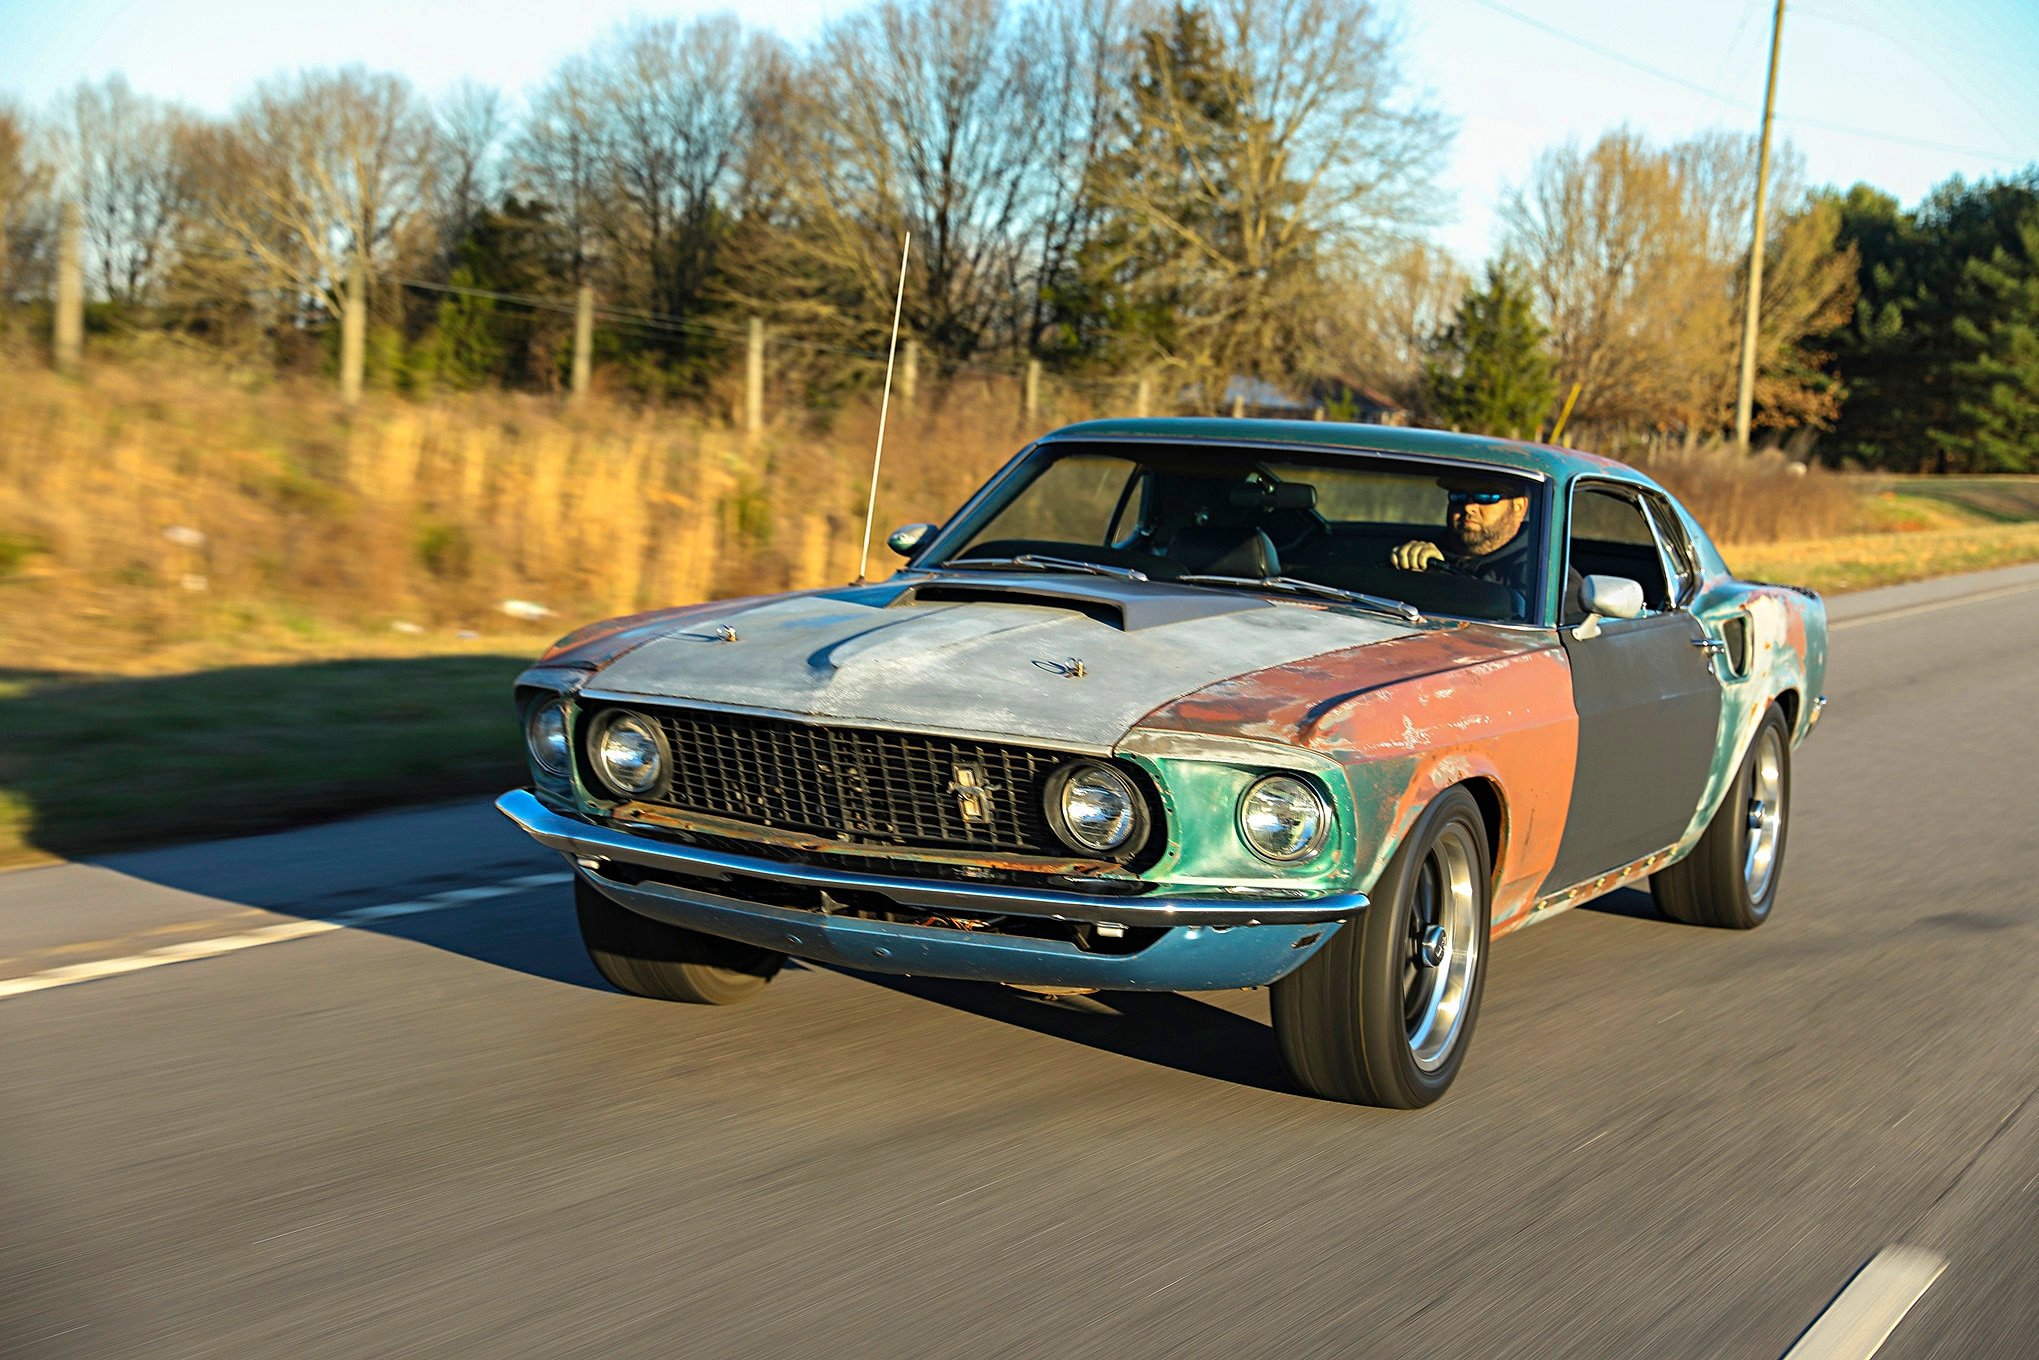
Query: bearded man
x=1484, y=523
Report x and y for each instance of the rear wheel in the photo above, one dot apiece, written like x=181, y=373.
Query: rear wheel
x=1730, y=878
x=1384, y=1012
x=669, y=963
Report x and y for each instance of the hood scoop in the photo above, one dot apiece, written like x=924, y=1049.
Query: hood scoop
x=1129, y=606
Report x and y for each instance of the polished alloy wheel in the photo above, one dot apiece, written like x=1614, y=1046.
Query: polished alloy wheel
x=1443, y=948
x=1766, y=814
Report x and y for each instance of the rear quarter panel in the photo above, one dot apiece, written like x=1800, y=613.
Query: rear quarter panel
x=1785, y=662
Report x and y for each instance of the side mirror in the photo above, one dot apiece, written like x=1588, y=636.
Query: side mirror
x=907, y=537
x=1608, y=597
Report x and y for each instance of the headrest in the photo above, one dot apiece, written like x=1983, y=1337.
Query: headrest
x=1224, y=550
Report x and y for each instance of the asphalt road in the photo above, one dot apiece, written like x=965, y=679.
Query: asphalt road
x=431, y=1130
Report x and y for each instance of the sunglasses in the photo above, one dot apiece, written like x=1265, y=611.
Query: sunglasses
x=1457, y=498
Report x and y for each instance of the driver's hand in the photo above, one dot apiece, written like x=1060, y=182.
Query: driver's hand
x=1416, y=555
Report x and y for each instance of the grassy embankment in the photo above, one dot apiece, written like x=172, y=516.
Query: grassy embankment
x=233, y=606
x=1912, y=528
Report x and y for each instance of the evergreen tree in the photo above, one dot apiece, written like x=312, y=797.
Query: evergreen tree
x=465, y=352
x=1489, y=371
x=1932, y=358
x=1998, y=406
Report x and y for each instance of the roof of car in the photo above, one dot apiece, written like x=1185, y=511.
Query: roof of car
x=1553, y=462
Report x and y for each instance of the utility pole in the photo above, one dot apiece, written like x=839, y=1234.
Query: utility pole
x=583, y=341
x=754, y=379
x=353, y=331
x=69, y=328
x=1745, y=390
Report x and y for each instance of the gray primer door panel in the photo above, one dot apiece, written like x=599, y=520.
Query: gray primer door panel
x=1649, y=713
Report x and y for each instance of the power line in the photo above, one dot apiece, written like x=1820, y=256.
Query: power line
x=1660, y=73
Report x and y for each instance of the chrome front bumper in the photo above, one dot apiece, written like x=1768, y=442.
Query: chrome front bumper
x=1206, y=941
x=592, y=847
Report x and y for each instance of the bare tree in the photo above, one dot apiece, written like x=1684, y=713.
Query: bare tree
x=675, y=108
x=1382, y=313
x=1636, y=254
x=314, y=171
x=1270, y=139
x=557, y=159
x=919, y=116
x=27, y=217
x=469, y=125
x=1087, y=50
x=124, y=165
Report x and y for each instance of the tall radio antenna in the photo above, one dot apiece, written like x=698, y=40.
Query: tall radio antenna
x=884, y=403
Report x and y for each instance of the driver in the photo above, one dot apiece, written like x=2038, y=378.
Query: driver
x=1484, y=519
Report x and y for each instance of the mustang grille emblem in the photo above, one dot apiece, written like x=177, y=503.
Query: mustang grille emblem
x=972, y=793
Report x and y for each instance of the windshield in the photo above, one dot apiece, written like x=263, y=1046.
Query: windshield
x=1446, y=539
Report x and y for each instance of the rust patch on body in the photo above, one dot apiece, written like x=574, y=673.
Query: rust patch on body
x=1411, y=717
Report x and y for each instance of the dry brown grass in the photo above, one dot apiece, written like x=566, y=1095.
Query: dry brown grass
x=318, y=531
x=1759, y=498
x=311, y=522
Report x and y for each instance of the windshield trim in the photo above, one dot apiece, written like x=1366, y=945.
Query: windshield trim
x=1283, y=445
x=1547, y=484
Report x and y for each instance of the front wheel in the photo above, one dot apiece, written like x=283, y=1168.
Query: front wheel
x=1384, y=1012
x=1730, y=878
x=667, y=962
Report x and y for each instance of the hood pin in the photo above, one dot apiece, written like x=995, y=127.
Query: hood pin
x=1072, y=669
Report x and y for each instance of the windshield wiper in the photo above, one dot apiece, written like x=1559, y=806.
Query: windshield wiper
x=1037, y=562
x=1380, y=604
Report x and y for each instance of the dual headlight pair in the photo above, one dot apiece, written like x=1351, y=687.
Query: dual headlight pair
x=1091, y=805
x=626, y=748
x=1095, y=807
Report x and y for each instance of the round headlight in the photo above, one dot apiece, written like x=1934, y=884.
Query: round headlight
x=629, y=754
x=1284, y=819
x=1098, y=809
x=545, y=734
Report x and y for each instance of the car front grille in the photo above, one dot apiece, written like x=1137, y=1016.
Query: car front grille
x=899, y=787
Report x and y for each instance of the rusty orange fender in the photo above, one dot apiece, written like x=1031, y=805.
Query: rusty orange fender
x=1407, y=719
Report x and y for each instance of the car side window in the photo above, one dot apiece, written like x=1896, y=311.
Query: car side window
x=1611, y=536
x=1682, y=557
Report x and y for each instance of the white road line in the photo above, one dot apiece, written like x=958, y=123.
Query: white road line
x=1869, y=1309
x=1931, y=605
x=276, y=934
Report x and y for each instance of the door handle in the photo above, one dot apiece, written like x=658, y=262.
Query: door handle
x=1709, y=648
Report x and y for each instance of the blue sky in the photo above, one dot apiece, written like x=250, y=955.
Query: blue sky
x=1945, y=86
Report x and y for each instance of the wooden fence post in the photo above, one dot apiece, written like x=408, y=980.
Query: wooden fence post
x=70, y=318
x=353, y=332
x=1143, y=397
x=909, y=371
x=1031, y=402
x=754, y=379
x=583, y=341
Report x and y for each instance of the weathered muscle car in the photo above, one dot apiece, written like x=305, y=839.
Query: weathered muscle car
x=1178, y=704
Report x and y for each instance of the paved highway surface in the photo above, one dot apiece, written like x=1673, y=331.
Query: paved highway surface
x=382, y=1106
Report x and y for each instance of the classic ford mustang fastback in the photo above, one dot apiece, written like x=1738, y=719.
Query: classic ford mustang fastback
x=1175, y=704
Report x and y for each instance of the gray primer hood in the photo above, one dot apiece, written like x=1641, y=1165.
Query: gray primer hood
x=992, y=668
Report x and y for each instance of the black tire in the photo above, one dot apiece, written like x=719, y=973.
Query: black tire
x=1718, y=883
x=666, y=962
x=1346, y=1020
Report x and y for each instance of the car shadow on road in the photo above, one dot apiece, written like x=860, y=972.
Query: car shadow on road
x=1167, y=1029
x=1634, y=903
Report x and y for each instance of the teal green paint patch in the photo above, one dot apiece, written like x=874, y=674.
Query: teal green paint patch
x=1201, y=805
